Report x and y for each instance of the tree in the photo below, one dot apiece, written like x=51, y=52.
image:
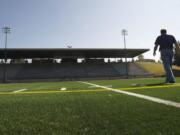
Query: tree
x=177, y=56
x=140, y=57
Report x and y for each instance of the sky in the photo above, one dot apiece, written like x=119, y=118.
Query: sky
x=88, y=23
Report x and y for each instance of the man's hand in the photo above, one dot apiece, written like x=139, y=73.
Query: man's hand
x=154, y=53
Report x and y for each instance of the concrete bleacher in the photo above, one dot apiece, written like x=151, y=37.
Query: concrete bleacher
x=100, y=70
x=11, y=71
x=69, y=71
x=120, y=68
x=1, y=72
x=133, y=69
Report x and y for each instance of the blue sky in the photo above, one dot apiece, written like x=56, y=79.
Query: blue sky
x=88, y=23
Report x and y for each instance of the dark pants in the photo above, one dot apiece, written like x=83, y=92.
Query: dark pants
x=167, y=57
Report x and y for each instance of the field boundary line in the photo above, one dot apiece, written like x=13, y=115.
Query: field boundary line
x=149, y=98
x=68, y=91
x=19, y=90
x=48, y=92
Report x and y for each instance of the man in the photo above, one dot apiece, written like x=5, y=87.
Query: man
x=166, y=46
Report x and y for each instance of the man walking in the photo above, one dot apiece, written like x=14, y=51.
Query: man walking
x=166, y=46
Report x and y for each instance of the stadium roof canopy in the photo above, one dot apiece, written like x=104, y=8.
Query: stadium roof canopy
x=28, y=53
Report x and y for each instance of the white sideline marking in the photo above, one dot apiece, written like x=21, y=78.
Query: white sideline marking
x=153, y=99
x=109, y=86
x=19, y=90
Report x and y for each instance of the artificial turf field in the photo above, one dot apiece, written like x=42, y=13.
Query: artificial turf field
x=81, y=109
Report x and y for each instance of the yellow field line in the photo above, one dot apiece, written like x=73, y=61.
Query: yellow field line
x=83, y=91
x=48, y=92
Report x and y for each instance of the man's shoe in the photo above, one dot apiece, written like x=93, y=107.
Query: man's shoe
x=171, y=81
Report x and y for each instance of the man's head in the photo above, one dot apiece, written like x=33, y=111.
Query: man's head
x=163, y=31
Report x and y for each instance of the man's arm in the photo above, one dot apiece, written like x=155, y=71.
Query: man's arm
x=155, y=48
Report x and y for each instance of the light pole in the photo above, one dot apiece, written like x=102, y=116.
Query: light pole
x=6, y=31
x=124, y=32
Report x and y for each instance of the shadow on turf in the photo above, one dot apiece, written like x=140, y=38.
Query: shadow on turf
x=151, y=84
x=157, y=84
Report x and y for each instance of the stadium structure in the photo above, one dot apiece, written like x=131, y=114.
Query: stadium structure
x=37, y=64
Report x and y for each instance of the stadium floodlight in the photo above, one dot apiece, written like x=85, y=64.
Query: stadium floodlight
x=124, y=32
x=6, y=31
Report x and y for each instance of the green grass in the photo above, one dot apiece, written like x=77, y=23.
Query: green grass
x=88, y=113
x=172, y=94
x=43, y=86
x=123, y=83
x=155, y=68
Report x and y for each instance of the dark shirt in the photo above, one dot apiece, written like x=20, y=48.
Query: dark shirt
x=165, y=41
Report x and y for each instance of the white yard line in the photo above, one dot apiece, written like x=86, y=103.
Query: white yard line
x=153, y=99
x=19, y=90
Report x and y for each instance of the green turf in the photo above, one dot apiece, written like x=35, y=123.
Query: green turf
x=103, y=113
x=170, y=93
x=43, y=86
x=124, y=83
x=88, y=113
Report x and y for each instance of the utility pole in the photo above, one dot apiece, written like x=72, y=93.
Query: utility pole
x=124, y=32
x=6, y=31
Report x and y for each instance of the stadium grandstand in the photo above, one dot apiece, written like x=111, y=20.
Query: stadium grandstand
x=35, y=64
